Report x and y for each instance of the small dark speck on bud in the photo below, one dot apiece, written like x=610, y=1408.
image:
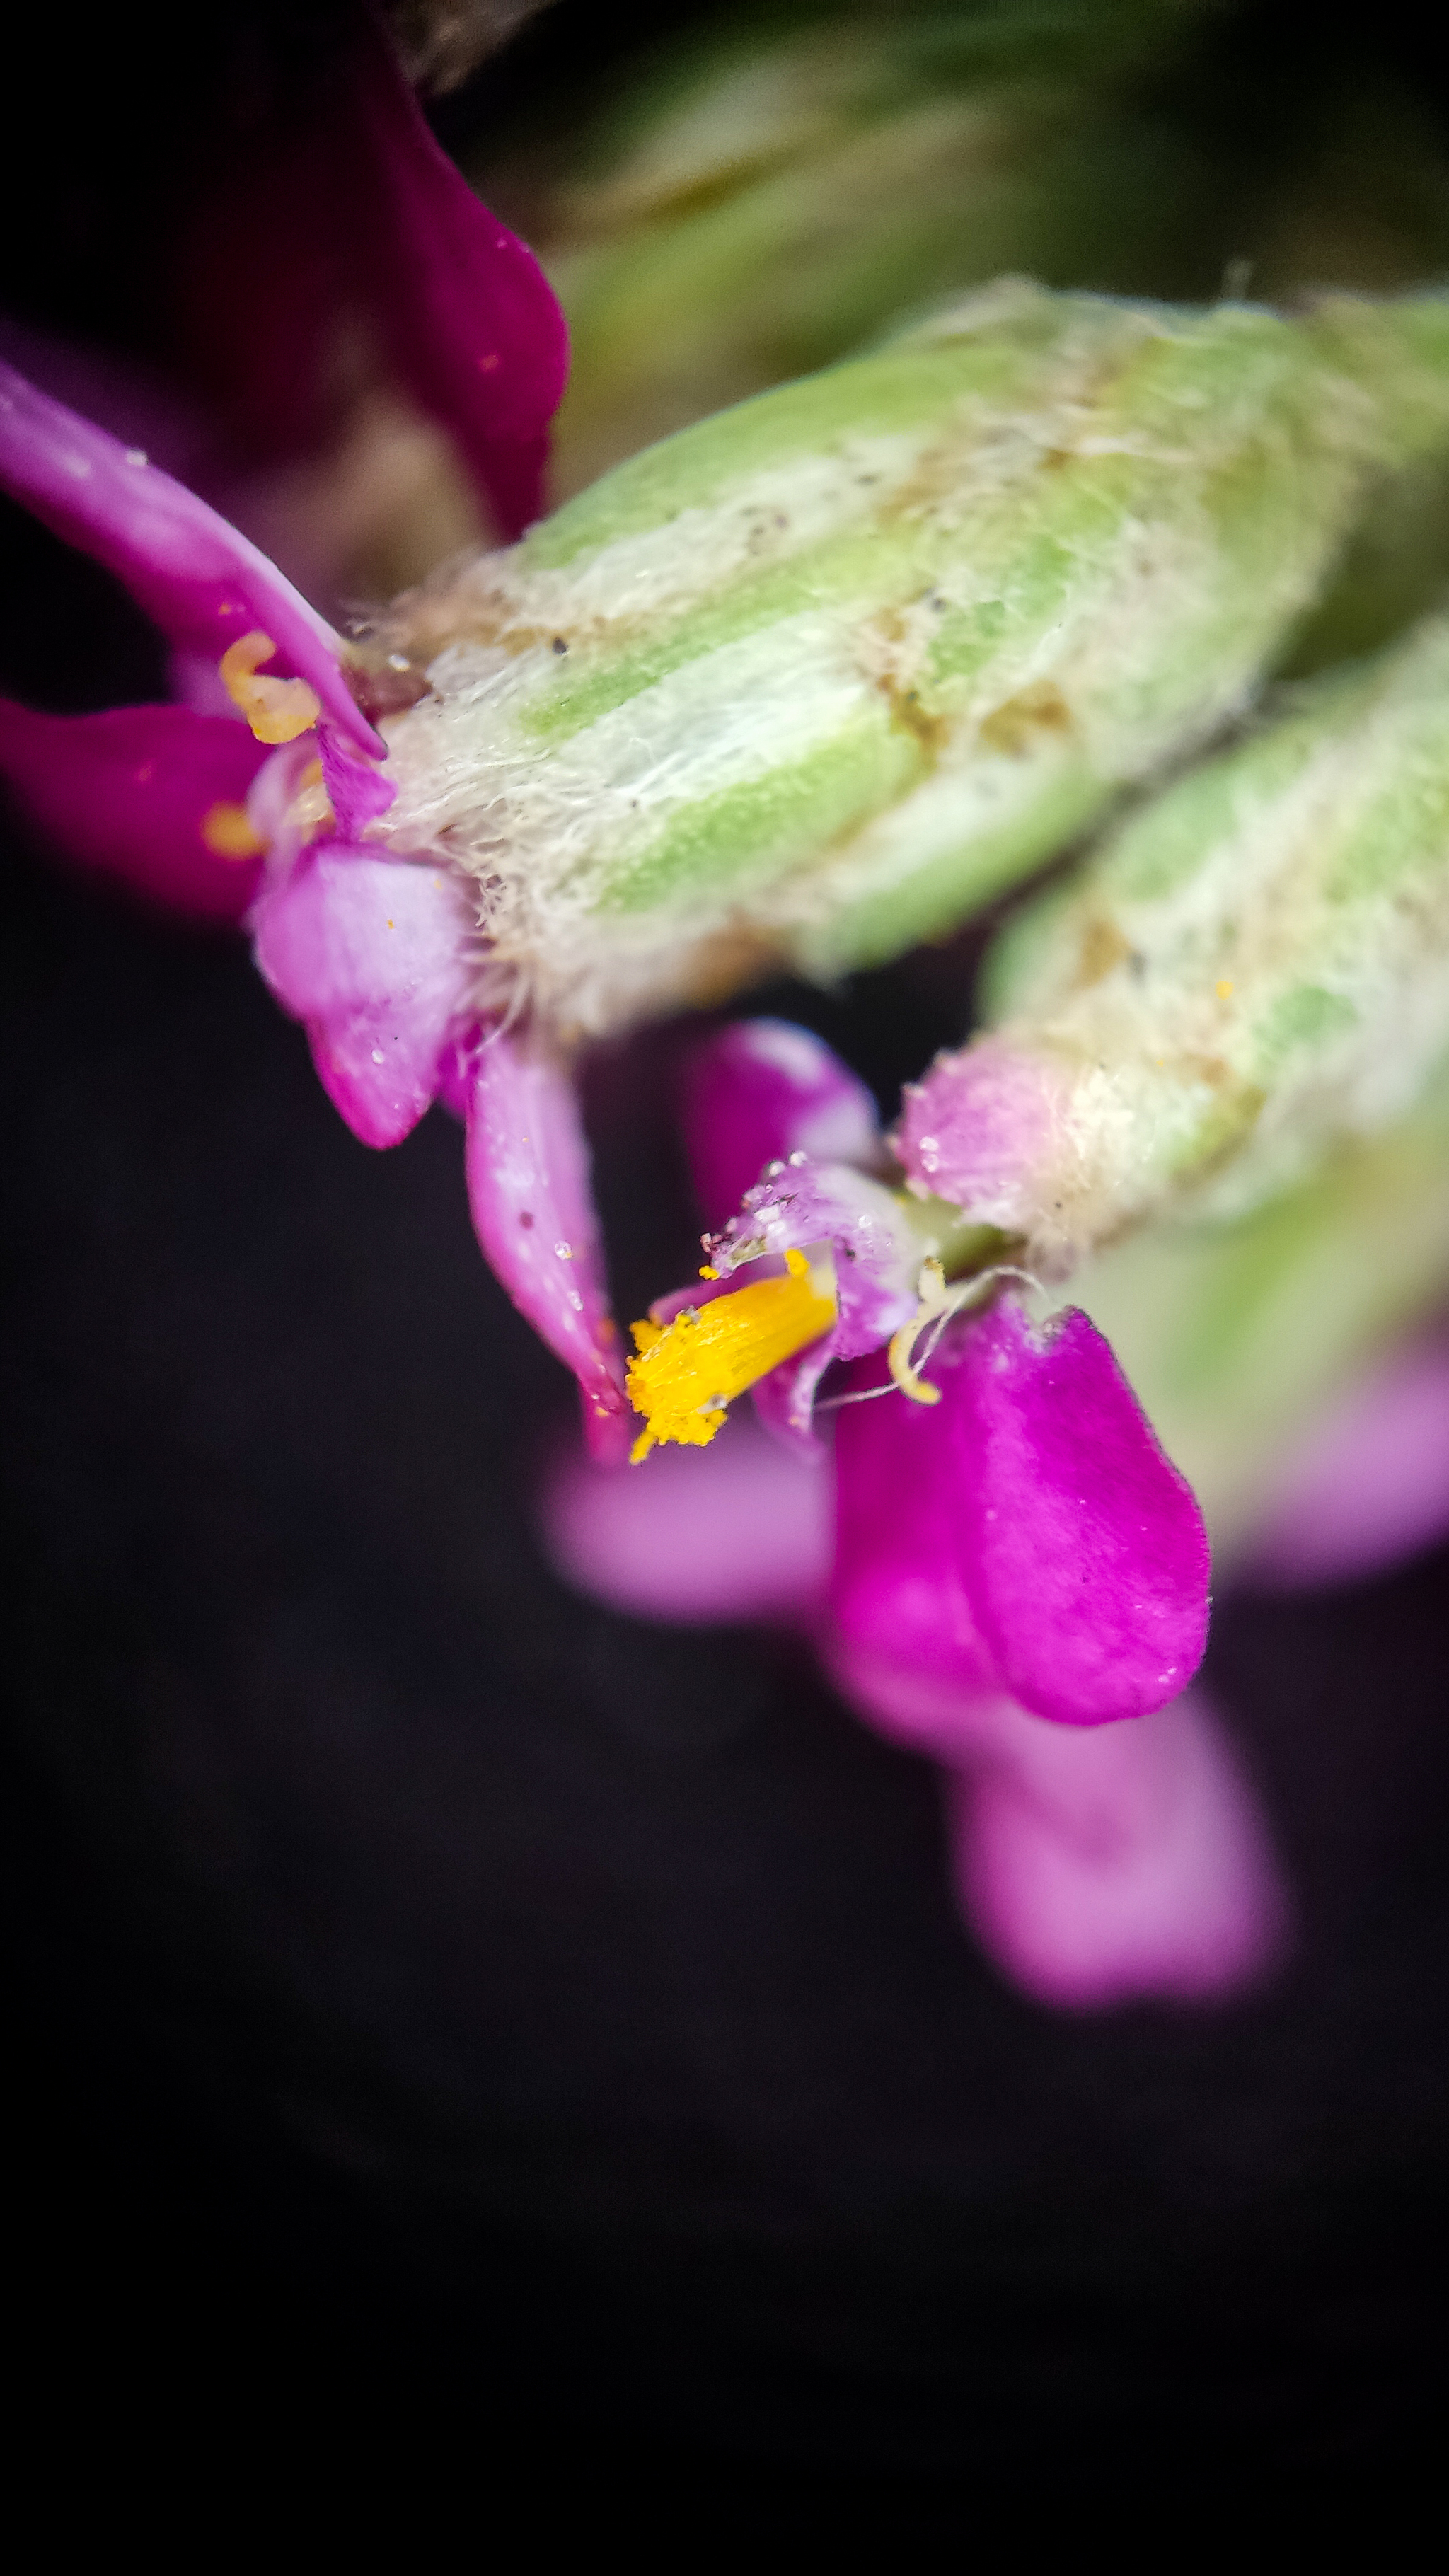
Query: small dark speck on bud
x=560, y=644
x=525, y=1217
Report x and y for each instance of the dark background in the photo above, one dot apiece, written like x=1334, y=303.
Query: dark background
x=436, y=2002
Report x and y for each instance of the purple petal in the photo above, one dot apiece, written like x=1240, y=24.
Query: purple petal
x=201, y=582
x=533, y=1208
x=1088, y=1558
x=1025, y=1534
x=899, y=1591
x=357, y=789
x=760, y=1091
x=979, y=1128
x=1101, y=1868
x=1370, y=1483
x=372, y=955
x=133, y=792
x=740, y=1531
x=472, y=320
x=876, y=1261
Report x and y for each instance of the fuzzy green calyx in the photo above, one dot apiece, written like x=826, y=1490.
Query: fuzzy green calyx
x=818, y=677
x=1253, y=969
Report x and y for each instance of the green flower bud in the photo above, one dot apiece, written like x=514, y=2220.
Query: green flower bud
x=763, y=196
x=1253, y=968
x=1235, y=1335
x=816, y=678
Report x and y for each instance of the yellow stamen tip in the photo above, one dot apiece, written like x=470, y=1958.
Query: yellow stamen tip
x=227, y=832
x=276, y=710
x=686, y=1373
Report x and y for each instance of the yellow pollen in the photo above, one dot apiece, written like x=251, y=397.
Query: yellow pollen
x=1225, y=986
x=686, y=1373
x=227, y=831
x=276, y=710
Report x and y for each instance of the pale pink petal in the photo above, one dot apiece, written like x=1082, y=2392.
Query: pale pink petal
x=1370, y=1482
x=923, y=1705
x=1124, y=1864
x=978, y=1129
x=759, y=1091
x=131, y=792
x=370, y=954
x=202, y=583
x=533, y=1207
x=741, y=1530
x=877, y=1263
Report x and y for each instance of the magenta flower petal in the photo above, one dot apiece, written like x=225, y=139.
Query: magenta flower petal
x=1131, y=1862
x=133, y=793
x=357, y=790
x=370, y=954
x=760, y=1091
x=470, y=316
x=1370, y=1483
x=900, y=1592
x=533, y=1208
x=741, y=1531
x=1024, y=1535
x=1088, y=1558
x=200, y=581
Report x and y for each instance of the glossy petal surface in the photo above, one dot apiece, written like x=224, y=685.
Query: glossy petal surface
x=1088, y=1557
x=1026, y=1533
x=128, y=793
x=204, y=585
x=900, y=1592
x=533, y=1208
x=368, y=952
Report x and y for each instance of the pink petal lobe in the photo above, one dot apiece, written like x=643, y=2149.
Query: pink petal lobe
x=741, y=1530
x=128, y=793
x=471, y=319
x=1103, y=1868
x=1370, y=1483
x=370, y=954
x=1089, y=1561
x=201, y=582
x=760, y=1091
x=529, y=1189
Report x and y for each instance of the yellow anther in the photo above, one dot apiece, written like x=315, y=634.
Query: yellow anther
x=227, y=831
x=1225, y=987
x=276, y=710
x=686, y=1373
